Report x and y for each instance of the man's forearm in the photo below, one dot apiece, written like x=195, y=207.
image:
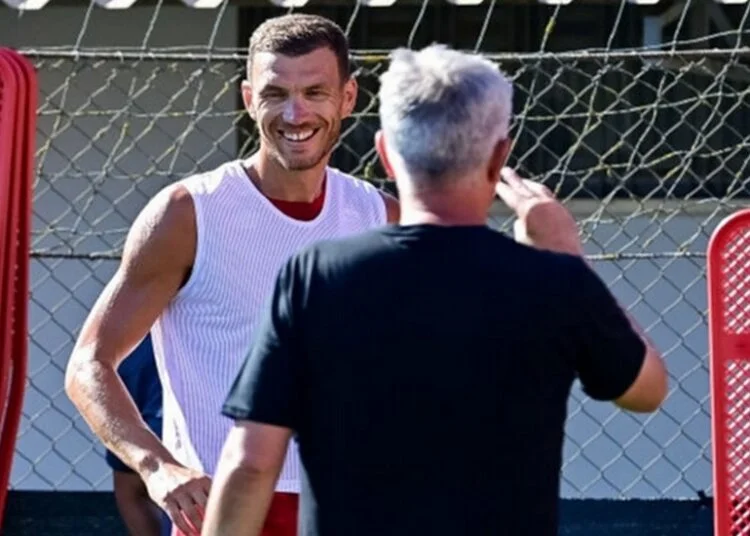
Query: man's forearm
x=238, y=503
x=100, y=396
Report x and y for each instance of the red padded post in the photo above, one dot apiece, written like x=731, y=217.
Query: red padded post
x=728, y=281
x=18, y=101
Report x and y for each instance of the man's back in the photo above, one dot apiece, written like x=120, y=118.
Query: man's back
x=437, y=364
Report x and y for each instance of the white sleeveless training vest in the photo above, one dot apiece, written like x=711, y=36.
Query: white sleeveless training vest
x=201, y=339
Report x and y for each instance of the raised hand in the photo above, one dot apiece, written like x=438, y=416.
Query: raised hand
x=541, y=220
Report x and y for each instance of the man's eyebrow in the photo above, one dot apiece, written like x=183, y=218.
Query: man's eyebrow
x=271, y=87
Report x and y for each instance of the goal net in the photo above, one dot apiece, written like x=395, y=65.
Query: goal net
x=635, y=114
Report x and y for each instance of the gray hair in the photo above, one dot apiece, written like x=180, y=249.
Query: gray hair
x=443, y=111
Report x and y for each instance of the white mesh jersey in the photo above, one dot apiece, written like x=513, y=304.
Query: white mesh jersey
x=204, y=334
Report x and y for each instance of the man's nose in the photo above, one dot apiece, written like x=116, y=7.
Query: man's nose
x=294, y=111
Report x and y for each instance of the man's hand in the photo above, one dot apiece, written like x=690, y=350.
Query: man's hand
x=542, y=221
x=182, y=493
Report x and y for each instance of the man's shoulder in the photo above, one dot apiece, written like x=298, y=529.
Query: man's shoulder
x=163, y=235
x=368, y=240
x=337, y=251
x=172, y=206
x=351, y=182
x=537, y=256
x=367, y=195
x=532, y=266
x=208, y=181
x=336, y=174
x=562, y=261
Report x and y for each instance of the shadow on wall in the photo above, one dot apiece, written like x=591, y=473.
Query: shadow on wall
x=90, y=513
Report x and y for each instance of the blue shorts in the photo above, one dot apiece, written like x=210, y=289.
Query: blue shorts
x=141, y=378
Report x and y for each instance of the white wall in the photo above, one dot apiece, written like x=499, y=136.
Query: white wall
x=99, y=167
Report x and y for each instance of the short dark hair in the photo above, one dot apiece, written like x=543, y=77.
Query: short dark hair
x=298, y=34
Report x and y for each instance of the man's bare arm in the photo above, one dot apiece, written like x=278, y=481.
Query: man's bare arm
x=246, y=476
x=158, y=253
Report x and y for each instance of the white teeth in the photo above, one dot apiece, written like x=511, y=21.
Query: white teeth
x=298, y=136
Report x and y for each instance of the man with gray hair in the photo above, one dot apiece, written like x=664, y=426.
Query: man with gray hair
x=425, y=367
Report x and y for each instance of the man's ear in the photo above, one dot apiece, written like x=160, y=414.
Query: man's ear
x=498, y=159
x=247, y=98
x=350, y=90
x=382, y=149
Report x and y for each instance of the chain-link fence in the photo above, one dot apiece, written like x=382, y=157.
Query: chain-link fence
x=648, y=149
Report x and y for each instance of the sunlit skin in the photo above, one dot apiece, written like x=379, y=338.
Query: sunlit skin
x=298, y=104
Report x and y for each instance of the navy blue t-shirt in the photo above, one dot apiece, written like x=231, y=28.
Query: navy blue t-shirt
x=426, y=371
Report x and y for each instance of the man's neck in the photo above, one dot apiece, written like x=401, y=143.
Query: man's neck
x=423, y=216
x=447, y=208
x=275, y=182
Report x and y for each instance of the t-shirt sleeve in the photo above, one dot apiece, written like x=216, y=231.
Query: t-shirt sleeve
x=267, y=386
x=609, y=353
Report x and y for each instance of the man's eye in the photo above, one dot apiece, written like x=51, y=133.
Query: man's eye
x=272, y=95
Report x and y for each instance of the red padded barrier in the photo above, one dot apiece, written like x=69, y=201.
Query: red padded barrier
x=728, y=280
x=18, y=100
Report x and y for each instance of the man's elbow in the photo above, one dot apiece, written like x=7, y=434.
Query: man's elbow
x=248, y=470
x=245, y=469
x=661, y=390
x=648, y=402
x=253, y=450
x=81, y=372
x=252, y=464
x=73, y=372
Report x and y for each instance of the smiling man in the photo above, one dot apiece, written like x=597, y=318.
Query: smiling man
x=201, y=259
